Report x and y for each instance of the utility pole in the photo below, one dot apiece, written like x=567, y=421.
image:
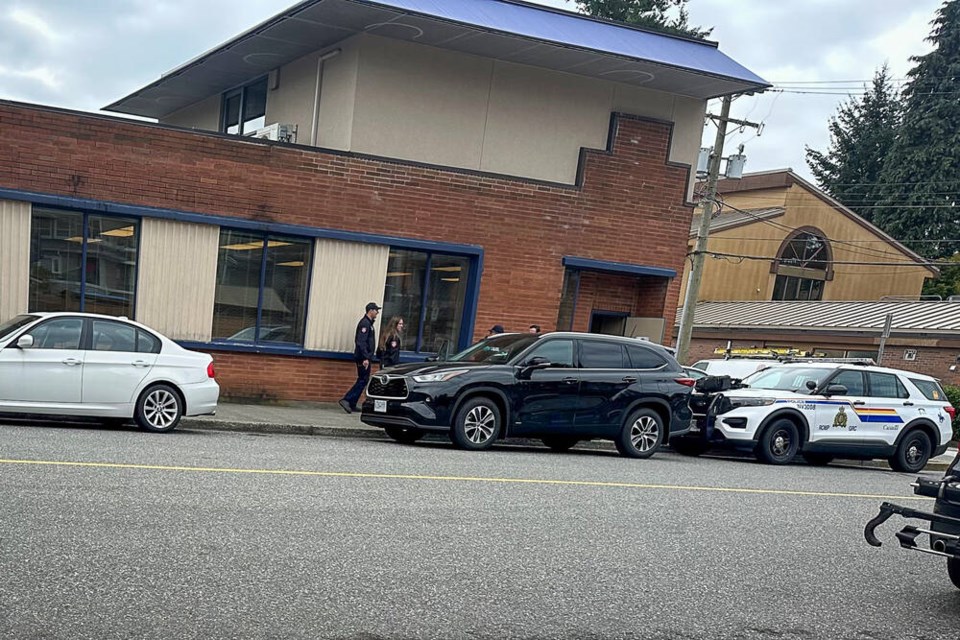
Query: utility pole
x=709, y=207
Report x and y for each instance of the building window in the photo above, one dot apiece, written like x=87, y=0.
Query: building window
x=803, y=266
x=429, y=291
x=244, y=109
x=261, y=294
x=82, y=262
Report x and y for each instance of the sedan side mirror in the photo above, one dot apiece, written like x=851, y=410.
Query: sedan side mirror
x=835, y=390
x=25, y=342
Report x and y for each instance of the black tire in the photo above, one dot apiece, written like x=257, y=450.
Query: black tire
x=404, y=435
x=912, y=453
x=953, y=570
x=159, y=409
x=560, y=443
x=689, y=446
x=641, y=435
x=818, y=459
x=478, y=424
x=779, y=443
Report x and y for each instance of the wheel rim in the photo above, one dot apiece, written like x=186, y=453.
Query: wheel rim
x=160, y=408
x=780, y=443
x=914, y=453
x=645, y=433
x=479, y=424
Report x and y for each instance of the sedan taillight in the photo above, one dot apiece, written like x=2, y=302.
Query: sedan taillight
x=211, y=372
x=687, y=382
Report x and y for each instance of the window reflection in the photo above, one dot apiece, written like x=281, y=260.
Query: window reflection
x=428, y=286
x=263, y=278
x=63, y=279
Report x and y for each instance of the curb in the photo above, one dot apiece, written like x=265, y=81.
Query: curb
x=366, y=432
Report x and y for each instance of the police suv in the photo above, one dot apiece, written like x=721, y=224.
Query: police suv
x=823, y=410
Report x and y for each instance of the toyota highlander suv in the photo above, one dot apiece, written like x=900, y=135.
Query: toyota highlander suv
x=823, y=410
x=559, y=387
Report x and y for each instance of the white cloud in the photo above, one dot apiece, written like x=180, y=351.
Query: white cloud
x=41, y=75
x=35, y=23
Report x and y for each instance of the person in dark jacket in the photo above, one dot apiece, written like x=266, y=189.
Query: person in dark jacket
x=363, y=353
x=389, y=347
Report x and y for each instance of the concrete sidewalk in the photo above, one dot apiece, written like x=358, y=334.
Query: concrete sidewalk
x=328, y=419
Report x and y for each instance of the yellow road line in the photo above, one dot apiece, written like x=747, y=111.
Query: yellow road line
x=398, y=476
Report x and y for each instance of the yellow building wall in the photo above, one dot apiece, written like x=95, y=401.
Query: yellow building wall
x=726, y=279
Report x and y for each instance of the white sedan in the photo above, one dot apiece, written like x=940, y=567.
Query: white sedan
x=82, y=364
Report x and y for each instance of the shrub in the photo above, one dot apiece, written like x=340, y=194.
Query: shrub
x=953, y=395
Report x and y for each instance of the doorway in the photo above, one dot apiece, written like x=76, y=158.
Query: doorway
x=611, y=323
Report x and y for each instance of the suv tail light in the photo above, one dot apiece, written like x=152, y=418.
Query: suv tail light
x=951, y=411
x=211, y=372
x=687, y=382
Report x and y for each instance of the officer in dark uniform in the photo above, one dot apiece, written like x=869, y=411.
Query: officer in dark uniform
x=366, y=345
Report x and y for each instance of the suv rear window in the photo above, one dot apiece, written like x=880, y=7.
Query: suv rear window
x=930, y=389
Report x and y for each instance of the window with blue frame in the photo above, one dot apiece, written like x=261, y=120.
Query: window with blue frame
x=429, y=291
x=83, y=262
x=261, y=289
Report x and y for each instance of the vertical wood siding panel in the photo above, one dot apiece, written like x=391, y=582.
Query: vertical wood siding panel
x=14, y=258
x=177, y=278
x=346, y=276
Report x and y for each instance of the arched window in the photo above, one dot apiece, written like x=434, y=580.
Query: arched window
x=803, y=265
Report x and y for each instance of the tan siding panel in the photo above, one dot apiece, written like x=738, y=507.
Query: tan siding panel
x=346, y=276
x=14, y=258
x=177, y=279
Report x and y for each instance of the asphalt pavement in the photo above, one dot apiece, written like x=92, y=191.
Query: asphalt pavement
x=323, y=419
x=117, y=533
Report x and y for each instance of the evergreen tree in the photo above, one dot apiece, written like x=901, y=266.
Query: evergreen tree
x=650, y=14
x=921, y=174
x=861, y=135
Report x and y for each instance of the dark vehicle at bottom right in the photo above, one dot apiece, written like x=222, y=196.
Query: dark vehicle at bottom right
x=943, y=533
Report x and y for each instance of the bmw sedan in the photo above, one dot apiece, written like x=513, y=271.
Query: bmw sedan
x=80, y=364
x=559, y=387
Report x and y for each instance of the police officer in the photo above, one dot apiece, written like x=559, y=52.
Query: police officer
x=366, y=345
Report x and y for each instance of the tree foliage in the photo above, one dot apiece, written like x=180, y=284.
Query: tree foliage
x=669, y=16
x=921, y=174
x=861, y=134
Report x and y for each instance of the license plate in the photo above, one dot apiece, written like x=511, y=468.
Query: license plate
x=380, y=406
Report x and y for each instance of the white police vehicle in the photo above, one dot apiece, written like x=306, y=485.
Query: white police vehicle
x=823, y=410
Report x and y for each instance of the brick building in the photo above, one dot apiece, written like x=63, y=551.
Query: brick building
x=924, y=336
x=486, y=163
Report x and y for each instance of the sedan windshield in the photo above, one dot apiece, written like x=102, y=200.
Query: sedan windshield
x=13, y=324
x=497, y=349
x=787, y=379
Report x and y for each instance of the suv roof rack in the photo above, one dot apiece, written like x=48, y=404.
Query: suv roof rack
x=860, y=361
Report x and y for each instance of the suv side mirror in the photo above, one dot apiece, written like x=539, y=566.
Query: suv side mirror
x=835, y=390
x=811, y=385
x=532, y=365
x=25, y=342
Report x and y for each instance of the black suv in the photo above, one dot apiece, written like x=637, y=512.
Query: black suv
x=561, y=387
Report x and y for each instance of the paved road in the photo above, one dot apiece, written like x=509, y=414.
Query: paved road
x=113, y=533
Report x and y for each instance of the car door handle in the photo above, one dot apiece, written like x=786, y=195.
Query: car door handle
x=859, y=402
x=908, y=404
x=71, y=362
x=140, y=363
x=570, y=380
x=629, y=378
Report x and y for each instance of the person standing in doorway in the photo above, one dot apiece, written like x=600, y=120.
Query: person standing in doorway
x=366, y=344
x=389, y=347
x=535, y=328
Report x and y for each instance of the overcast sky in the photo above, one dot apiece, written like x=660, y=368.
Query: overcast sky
x=86, y=54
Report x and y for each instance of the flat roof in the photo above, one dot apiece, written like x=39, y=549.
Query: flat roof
x=507, y=30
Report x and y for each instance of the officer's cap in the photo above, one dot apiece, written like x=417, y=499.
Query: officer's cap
x=373, y=306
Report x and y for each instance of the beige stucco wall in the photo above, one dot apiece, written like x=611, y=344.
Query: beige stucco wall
x=203, y=115
x=177, y=261
x=345, y=277
x=408, y=101
x=14, y=258
x=752, y=279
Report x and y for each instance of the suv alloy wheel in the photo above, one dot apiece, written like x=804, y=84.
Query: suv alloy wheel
x=641, y=435
x=477, y=425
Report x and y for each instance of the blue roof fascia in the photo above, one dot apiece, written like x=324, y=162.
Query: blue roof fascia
x=570, y=29
x=603, y=266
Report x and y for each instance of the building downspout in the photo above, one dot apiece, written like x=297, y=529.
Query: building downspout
x=315, y=125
